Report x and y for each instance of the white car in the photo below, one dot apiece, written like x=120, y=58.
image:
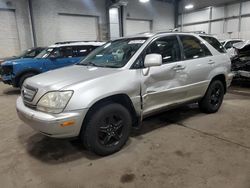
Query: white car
x=228, y=45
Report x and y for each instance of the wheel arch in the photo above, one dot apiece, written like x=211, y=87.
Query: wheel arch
x=222, y=78
x=122, y=99
x=28, y=71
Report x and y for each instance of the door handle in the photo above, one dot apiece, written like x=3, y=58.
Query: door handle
x=179, y=67
x=211, y=62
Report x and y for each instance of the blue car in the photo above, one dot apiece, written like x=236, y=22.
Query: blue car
x=59, y=55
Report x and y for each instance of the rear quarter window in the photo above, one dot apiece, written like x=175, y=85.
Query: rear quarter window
x=215, y=43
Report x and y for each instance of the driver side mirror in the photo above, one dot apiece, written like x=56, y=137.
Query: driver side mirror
x=153, y=60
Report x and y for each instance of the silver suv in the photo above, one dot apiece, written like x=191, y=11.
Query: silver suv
x=119, y=84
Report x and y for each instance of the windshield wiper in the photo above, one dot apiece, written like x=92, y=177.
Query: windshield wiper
x=88, y=64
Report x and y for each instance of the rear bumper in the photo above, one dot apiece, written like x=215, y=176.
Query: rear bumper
x=51, y=124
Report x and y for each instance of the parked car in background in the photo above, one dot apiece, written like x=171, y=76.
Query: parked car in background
x=241, y=62
x=228, y=44
x=114, y=88
x=56, y=56
x=30, y=53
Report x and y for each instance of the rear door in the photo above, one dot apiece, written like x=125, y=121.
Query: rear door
x=198, y=62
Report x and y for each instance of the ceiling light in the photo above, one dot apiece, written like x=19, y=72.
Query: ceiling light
x=144, y=1
x=189, y=6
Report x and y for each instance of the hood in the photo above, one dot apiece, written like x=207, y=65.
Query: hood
x=8, y=58
x=19, y=61
x=63, y=77
x=241, y=45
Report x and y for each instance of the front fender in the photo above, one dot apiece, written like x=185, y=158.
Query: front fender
x=86, y=94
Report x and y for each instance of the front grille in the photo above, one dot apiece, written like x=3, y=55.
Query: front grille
x=28, y=93
x=6, y=70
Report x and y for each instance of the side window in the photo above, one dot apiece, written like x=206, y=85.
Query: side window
x=229, y=45
x=38, y=51
x=168, y=47
x=66, y=52
x=215, y=43
x=82, y=51
x=193, y=48
x=235, y=42
x=31, y=54
x=56, y=53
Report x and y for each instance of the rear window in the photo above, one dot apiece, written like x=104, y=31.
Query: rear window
x=215, y=43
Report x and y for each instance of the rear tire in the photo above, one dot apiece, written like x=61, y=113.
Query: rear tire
x=213, y=98
x=107, y=129
x=23, y=78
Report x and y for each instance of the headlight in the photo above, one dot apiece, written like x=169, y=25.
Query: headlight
x=54, y=102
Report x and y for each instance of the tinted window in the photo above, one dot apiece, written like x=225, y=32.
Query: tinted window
x=168, y=47
x=31, y=54
x=193, y=48
x=82, y=51
x=63, y=52
x=38, y=51
x=66, y=52
x=215, y=43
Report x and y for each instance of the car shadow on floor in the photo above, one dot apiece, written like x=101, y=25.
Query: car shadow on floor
x=56, y=151
x=11, y=91
x=170, y=117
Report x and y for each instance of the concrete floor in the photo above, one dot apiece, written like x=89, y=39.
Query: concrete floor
x=177, y=149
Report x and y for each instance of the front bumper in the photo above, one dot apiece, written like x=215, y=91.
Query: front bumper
x=7, y=79
x=51, y=124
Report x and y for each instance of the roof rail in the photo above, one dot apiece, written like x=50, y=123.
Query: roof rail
x=176, y=30
x=69, y=42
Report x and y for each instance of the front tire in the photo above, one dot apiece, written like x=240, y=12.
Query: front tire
x=107, y=129
x=213, y=98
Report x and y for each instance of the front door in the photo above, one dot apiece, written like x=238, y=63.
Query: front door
x=163, y=85
x=61, y=57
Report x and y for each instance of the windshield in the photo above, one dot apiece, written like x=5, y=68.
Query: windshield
x=45, y=53
x=114, y=54
x=26, y=53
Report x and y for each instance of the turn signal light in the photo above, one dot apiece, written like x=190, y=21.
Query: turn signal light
x=67, y=123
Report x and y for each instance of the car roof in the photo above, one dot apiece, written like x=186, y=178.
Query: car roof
x=149, y=35
x=65, y=44
x=228, y=40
